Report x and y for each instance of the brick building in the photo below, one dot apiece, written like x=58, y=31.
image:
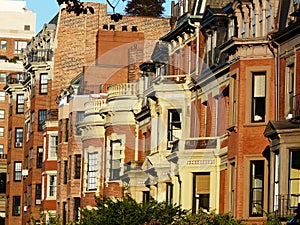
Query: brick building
x=119, y=52
x=14, y=36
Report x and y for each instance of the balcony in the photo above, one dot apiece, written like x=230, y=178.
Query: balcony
x=282, y=207
x=124, y=90
x=40, y=55
x=94, y=106
x=16, y=78
x=52, y=114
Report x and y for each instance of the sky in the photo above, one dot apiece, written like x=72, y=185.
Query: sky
x=46, y=9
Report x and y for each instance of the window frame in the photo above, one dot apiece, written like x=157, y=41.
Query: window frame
x=19, y=138
x=3, y=43
x=19, y=45
x=77, y=166
x=53, y=147
x=17, y=171
x=92, y=171
x=42, y=117
x=174, y=123
x=51, y=186
x=43, y=83
x=254, y=188
x=39, y=157
x=200, y=200
x=16, y=209
x=293, y=179
x=20, y=104
x=2, y=112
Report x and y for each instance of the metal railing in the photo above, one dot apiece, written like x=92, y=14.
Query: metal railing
x=40, y=55
x=16, y=78
x=296, y=110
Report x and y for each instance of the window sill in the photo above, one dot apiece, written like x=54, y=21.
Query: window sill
x=258, y=124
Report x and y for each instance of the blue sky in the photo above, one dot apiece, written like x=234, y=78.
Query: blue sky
x=46, y=9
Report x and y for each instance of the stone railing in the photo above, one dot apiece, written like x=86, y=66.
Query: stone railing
x=94, y=106
x=204, y=142
x=122, y=90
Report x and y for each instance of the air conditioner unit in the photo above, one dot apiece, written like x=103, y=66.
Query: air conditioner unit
x=38, y=201
x=24, y=172
x=25, y=208
x=18, y=144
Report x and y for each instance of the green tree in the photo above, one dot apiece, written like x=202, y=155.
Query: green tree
x=126, y=211
x=145, y=8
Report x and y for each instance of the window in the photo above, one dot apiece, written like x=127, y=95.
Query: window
x=201, y=191
x=30, y=157
x=2, y=182
x=65, y=172
x=16, y=206
x=20, y=103
x=233, y=99
x=43, y=83
x=254, y=22
x=258, y=97
x=2, y=113
x=92, y=171
x=1, y=149
x=39, y=157
x=67, y=130
x=79, y=118
x=243, y=32
x=42, y=118
x=60, y=130
x=268, y=16
x=9, y=138
x=19, y=45
x=52, y=186
x=1, y=131
x=76, y=208
x=276, y=181
x=2, y=77
x=18, y=171
x=232, y=187
x=53, y=142
x=146, y=196
x=174, y=124
x=26, y=27
x=27, y=130
x=19, y=137
x=2, y=96
x=169, y=197
x=256, y=187
x=77, y=168
x=294, y=178
x=115, y=160
x=290, y=88
x=3, y=44
x=38, y=194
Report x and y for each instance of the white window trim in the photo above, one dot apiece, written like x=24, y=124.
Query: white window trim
x=90, y=150
x=48, y=174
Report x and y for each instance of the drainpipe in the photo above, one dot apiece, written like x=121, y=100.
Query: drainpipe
x=275, y=51
x=179, y=194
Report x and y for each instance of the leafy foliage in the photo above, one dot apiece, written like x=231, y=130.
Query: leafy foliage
x=145, y=8
x=76, y=6
x=127, y=211
x=53, y=220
